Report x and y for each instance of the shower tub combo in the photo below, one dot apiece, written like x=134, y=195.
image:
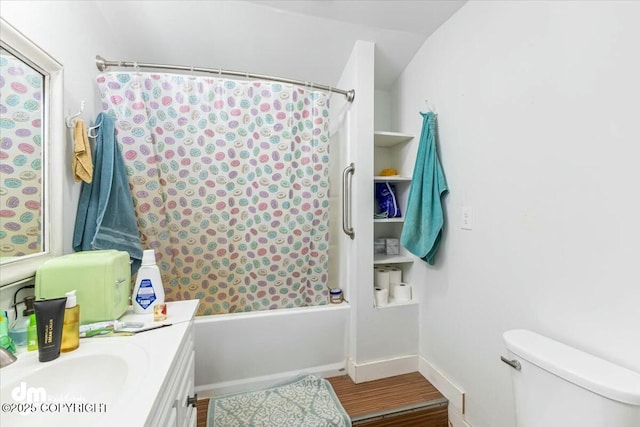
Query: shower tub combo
x=242, y=351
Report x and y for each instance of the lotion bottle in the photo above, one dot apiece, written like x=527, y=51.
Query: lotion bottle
x=148, y=290
x=32, y=334
x=71, y=324
x=18, y=330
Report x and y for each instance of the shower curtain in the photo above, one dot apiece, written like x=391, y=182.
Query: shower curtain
x=230, y=181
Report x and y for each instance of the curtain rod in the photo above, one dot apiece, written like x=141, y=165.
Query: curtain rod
x=103, y=65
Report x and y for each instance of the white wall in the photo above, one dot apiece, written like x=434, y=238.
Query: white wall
x=354, y=126
x=382, y=112
x=538, y=107
x=379, y=339
x=73, y=33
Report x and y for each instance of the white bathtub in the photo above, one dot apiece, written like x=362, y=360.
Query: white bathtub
x=243, y=351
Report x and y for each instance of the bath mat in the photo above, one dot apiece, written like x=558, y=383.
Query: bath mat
x=307, y=401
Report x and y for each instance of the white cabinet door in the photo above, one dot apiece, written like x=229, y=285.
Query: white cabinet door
x=172, y=420
x=174, y=405
x=185, y=392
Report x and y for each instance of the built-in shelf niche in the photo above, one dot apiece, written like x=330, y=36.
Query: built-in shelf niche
x=387, y=152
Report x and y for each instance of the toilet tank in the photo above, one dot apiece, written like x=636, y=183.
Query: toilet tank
x=558, y=385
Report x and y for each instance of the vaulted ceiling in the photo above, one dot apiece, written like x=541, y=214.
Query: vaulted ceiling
x=307, y=40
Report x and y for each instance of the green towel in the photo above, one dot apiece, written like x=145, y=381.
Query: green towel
x=424, y=217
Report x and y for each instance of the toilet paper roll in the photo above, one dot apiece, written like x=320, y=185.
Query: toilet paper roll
x=402, y=292
x=381, y=297
x=381, y=278
x=395, y=276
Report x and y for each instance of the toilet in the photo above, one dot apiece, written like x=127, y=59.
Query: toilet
x=557, y=385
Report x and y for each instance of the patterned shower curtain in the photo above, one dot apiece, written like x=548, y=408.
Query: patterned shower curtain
x=230, y=181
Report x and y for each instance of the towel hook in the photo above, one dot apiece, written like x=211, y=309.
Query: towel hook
x=431, y=107
x=94, y=127
x=69, y=119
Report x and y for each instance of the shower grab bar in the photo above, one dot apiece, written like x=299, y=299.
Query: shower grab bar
x=347, y=227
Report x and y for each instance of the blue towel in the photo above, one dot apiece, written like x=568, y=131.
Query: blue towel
x=424, y=218
x=106, y=218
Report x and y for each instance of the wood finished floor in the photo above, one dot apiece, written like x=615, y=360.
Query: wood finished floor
x=380, y=396
x=383, y=394
x=203, y=406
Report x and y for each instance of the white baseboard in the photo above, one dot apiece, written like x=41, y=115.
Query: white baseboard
x=369, y=371
x=456, y=419
x=257, y=383
x=454, y=394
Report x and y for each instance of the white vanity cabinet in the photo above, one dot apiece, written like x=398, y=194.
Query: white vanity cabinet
x=174, y=382
x=143, y=379
x=175, y=406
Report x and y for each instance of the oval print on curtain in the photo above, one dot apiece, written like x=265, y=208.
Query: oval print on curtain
x=230, y=180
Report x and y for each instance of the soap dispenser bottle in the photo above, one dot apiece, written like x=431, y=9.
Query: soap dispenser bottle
x=5, y=340
x=32, y=333
x=148, y=290
x=18, y=330
x=71, y=324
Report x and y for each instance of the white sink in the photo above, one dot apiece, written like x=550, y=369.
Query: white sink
x=81, y=386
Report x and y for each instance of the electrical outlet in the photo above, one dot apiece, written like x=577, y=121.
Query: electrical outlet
x=466, y=223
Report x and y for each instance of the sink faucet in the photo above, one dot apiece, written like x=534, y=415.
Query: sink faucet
x=6, y=357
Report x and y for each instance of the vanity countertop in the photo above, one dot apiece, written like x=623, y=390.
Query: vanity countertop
x=107, y=381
